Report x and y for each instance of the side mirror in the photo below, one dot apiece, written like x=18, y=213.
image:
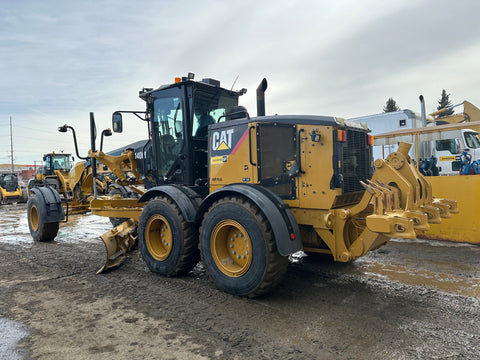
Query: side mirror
x=106, y=132
x=44, y=158
x=117, y=123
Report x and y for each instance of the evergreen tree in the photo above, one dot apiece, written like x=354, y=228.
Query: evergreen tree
x=443, y=103
x=390, y=106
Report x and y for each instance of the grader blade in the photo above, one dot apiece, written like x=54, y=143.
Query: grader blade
x=117, y=242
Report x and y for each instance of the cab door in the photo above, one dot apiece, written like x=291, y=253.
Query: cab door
x=168, y=138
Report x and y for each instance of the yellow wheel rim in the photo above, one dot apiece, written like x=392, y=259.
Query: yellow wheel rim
x=33, y=217
x=231, y=248
x=158, y=237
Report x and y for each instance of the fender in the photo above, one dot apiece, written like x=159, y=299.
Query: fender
x=283, y=223
x=51, y=209
x=186, y=199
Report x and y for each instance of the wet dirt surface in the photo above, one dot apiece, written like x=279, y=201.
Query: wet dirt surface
x=407, y=300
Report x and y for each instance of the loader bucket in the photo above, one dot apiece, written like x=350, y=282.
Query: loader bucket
x=117, y=242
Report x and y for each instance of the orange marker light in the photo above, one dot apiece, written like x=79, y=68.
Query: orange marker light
x=341, y=135
x=370, y=140
x=177, y=80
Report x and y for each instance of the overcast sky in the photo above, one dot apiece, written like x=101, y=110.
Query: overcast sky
x=62, y=59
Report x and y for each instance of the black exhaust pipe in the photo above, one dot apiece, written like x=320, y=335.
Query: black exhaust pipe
x=261, y=97
x=424, y=114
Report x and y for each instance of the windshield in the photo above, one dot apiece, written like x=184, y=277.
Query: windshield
x=61, y=162
x=168, y=126
x=209, y=109
x=471, y=139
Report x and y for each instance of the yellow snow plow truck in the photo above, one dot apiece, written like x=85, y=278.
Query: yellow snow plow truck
x=243, y=193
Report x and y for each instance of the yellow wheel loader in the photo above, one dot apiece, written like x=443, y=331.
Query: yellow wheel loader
x=10, y=189
x=243, y=193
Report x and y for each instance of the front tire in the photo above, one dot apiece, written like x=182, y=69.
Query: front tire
x=39, y=230
x=169, y=244
x=239, y=250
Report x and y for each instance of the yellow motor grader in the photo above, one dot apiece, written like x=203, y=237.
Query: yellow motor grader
x=243, y=193
x=60, y=189
x=72, y=182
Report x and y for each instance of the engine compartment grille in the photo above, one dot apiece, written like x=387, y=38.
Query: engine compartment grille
x=356, y=161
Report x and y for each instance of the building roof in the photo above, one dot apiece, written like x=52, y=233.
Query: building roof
x=8, y=167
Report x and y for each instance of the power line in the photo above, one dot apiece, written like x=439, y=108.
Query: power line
x=43, y=130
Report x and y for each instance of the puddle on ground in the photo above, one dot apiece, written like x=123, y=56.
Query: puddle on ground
x=452, y=276
x=433, y=243
x=83, y=228
x=13, y=224
x=450, y=283
x=11, y=332
x=79, y=228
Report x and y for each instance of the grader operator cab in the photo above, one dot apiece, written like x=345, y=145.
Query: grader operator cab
x=247, y=192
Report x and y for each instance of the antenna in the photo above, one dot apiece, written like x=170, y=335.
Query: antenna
x=234, y=82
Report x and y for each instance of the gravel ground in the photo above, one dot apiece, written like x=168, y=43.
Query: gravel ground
x=408, y=300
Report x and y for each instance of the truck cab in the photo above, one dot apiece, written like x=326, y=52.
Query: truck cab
x=449, y=151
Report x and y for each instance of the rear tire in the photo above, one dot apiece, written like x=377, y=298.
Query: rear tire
x=39, y=230
x=169, y=244
x=239, y=250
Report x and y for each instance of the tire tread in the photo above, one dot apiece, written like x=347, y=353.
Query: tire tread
x=276, y=264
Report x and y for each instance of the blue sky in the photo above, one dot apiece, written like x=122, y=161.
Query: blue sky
x=62, y=59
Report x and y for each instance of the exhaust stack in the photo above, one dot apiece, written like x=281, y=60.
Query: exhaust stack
x=424, y=115
x=261, y=97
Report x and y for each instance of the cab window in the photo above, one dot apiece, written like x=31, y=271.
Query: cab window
x=61, y=163
x=471, y=139
x=447, y=145
x=209, y=108
x=168, y=128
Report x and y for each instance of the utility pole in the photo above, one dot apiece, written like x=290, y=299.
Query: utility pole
x=11, y=145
